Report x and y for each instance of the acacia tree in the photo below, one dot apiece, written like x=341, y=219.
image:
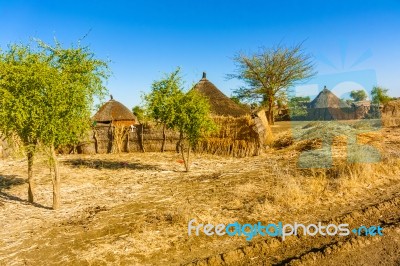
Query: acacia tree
x=358, y=95
x=21, y=73
x=47, y=95
x=270, y=73
x=162, y=100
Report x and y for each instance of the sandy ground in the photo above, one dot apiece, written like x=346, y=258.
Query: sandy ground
x=133, y=209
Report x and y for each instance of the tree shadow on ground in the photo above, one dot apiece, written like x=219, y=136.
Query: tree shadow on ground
x=107, y=164
x=7, y=182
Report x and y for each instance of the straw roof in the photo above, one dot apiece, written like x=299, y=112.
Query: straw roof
x=326, y=99
x=114, y=111
x=220, y=104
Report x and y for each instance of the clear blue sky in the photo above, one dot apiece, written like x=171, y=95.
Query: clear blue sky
x=145, y=39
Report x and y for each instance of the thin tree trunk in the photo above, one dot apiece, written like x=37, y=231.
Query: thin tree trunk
x=128, y=132
x=186, y=160
x=30, y=176
x=164, y=139
x=178, y=144
x=141, y=138
x=183, y=155
x=56, y=180
x=270, y=112
x=96, y=143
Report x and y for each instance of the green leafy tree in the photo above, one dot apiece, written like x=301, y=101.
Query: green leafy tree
x=162, y=100
x=47, y=93
x=193, y=121
x=358, y=95
x=139, y=112
x=380, y=95
x=270, y=73
x=188, y=113
x=298, y=106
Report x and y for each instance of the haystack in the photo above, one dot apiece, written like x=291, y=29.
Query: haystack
x=391, y=113
x=220, y=104
x=238, y=136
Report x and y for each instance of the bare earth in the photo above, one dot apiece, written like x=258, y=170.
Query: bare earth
x=133, y=209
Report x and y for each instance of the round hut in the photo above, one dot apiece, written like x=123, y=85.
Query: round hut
x=220, y=104
x=241, y=132
x=327, y=106
x=114, y=112
x=113, y=124
x=326, y=99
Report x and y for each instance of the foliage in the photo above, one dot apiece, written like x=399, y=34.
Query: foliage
x=270, y=73
x=348, y=101
x=189, y=113
x=161, y=102
x=380, y=95
x=193, y=117
x=139, y=112
x=164, y=96
x=358, y=95
x=47, y=93
x=193, y=121
x=298, y=106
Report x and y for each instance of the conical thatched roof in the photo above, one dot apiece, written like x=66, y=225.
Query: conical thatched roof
x=326, y=99
x=220, y=104
x=114, y=111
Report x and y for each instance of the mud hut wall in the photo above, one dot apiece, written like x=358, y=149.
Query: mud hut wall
x=238, y=137
x=103, y=136
x=153, y=138
x=345, y=113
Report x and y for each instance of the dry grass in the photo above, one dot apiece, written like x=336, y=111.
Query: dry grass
x=237, y=136
x=134, y=208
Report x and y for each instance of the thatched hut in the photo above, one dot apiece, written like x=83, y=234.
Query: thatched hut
x=327, y=106
x=220, y=104
x=114, y=112
x=326, y=99
x=241, y=132
x=112, y=126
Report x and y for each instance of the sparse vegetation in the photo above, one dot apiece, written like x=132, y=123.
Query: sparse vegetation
x=132, y=208
x=270, y=73
x=47, y=93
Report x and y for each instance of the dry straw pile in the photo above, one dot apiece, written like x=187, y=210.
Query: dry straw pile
x=237, y=136
x=391, y=114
